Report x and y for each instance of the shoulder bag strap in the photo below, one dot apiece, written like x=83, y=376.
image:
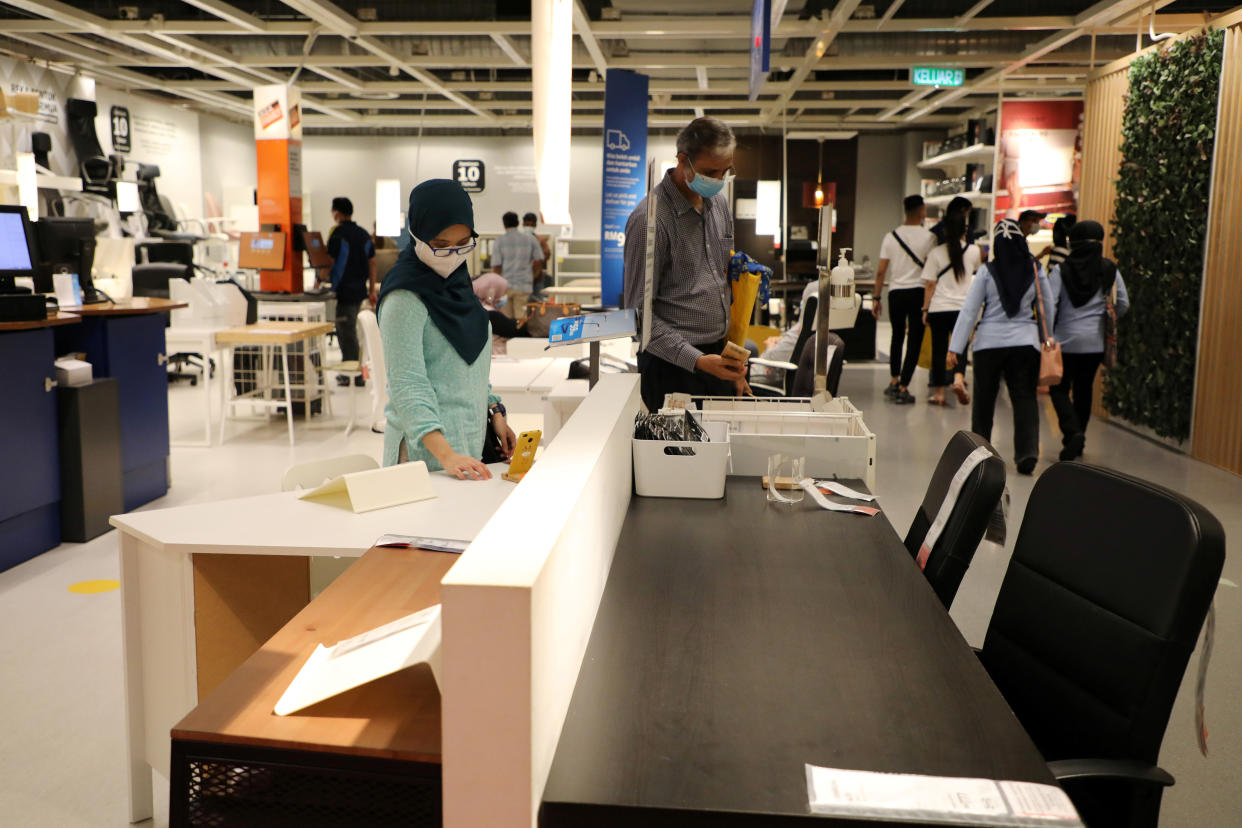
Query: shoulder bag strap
x=906, y=248
x=1039, y=305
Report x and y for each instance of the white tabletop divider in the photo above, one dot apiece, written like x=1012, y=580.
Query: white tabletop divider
x=518, y=609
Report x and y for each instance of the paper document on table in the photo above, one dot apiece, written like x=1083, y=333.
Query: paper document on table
x=419, y=542
x=365, y=491
x=356, y=661
x=939, y=800
x=833, y=487
x=810, y=487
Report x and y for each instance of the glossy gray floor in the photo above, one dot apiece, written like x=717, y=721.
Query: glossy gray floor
x=61, y=744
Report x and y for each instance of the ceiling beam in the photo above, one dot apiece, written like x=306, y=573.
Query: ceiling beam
x=507, y=46
x=596, y=121
x=971, y=13
x=225, y=11
x=1102, y=12
x=582, y=25
x=888, y=14
x=713, y=27
x=815, y=52
x=343, y=23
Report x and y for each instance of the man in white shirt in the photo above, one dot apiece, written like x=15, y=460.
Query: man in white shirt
x=902, y=256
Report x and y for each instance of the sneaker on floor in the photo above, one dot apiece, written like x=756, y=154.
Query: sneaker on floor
x=903, y=397
x=891, y=391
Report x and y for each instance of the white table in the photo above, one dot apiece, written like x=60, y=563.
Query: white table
x=173, y=580
x=522, y=383
x=196, y=341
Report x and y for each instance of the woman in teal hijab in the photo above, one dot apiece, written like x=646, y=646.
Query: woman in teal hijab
x=437, y=342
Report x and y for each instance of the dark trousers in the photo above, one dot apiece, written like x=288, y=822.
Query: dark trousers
x=347, y=329
x=905, y=311
x=1072, y=397
x=941, y=324
x=1020, y=368
x=660, y=378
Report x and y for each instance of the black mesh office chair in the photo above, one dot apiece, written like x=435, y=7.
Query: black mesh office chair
x=981, y=491
x=1108, y=587
x=802, y=384
x=97, y=172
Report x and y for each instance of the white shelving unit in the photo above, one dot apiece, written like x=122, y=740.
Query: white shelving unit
x=942, y=201
x=967, y=155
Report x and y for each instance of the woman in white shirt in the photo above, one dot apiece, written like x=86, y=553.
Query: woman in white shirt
x=946, y=277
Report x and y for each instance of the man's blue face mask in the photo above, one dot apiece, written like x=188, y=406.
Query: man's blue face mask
x=705, y=186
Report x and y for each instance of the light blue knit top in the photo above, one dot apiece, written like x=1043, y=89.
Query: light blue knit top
x=430, y=387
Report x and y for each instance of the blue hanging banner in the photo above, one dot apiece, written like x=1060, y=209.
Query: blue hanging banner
x=625, y=173
x=760, y=45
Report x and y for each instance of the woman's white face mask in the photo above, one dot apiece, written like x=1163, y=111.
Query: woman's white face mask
x=443, y=264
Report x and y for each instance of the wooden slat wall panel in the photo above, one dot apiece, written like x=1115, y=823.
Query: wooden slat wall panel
x=1101, y=161
x=1217, y=434
x=1101, y=164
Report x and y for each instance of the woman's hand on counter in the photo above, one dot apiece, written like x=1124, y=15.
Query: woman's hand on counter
x=466, y=468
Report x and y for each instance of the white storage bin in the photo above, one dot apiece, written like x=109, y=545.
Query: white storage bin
x=700, y=475
x=835, y=442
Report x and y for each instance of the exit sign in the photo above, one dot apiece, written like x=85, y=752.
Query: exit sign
x=937, y=76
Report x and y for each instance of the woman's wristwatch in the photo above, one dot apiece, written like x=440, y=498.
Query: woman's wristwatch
x=497, y=408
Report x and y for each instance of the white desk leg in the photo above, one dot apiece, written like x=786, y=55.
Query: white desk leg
x=284, y=361
x=207, y=343
x=161, y=679
x=226, y=356
x=140, y=794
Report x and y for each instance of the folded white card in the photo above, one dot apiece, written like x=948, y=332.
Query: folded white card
x=356, y=661
x=376, y=488
x=940, y=800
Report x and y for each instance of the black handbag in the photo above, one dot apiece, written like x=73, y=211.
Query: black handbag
x=491, y=445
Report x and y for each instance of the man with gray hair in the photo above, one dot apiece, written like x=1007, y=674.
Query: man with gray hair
x=690, y=282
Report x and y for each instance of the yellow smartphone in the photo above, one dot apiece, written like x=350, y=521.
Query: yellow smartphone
x=523, y=455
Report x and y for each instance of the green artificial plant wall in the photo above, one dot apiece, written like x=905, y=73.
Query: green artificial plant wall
x=1168, y=133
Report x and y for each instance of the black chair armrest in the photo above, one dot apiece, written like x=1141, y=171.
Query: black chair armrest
x=1064, y=769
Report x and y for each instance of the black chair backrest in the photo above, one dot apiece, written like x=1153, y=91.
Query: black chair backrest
x=976, y=501
x=807, y=321
x=152, y=279
x=96, y=170
x=804, y=378
x=1100, y=609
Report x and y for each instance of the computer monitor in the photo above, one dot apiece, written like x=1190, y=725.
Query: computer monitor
x=262, y=251
x=65, y=245
x=17, y=256
x=316, y=250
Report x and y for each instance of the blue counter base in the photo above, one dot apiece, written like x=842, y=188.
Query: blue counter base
x=32, y=533
x=145, y=483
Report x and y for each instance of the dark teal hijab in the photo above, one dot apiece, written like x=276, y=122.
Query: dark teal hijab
x=451, y=303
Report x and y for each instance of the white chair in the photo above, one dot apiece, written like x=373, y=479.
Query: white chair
x=316, y=472
x=352, y=369
x=373, y=358
x=324, y=570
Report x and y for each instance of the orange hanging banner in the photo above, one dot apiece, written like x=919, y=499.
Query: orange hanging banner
x=278, y=149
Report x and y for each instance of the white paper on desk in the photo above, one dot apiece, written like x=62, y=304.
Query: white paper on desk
x=937, y=799
x=364, y=658
x=68, y=290
x=376, y=488
x=843, y=490
x=809, y=486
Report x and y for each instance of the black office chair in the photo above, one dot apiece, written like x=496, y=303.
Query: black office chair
x=953, y=550
x=803, y=381
x=152, y=280
x=97, y=171
x=1095, y=622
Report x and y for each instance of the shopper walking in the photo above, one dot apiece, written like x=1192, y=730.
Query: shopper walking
x=1007, y=340
x=1060, y=240
x=437, y=343
x=961, y=206
x=530, y=222
x=352, y=276
x=903, y=253
x=1083, y=285
x=946, y=278
x=518, y=258
x=690, y=282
